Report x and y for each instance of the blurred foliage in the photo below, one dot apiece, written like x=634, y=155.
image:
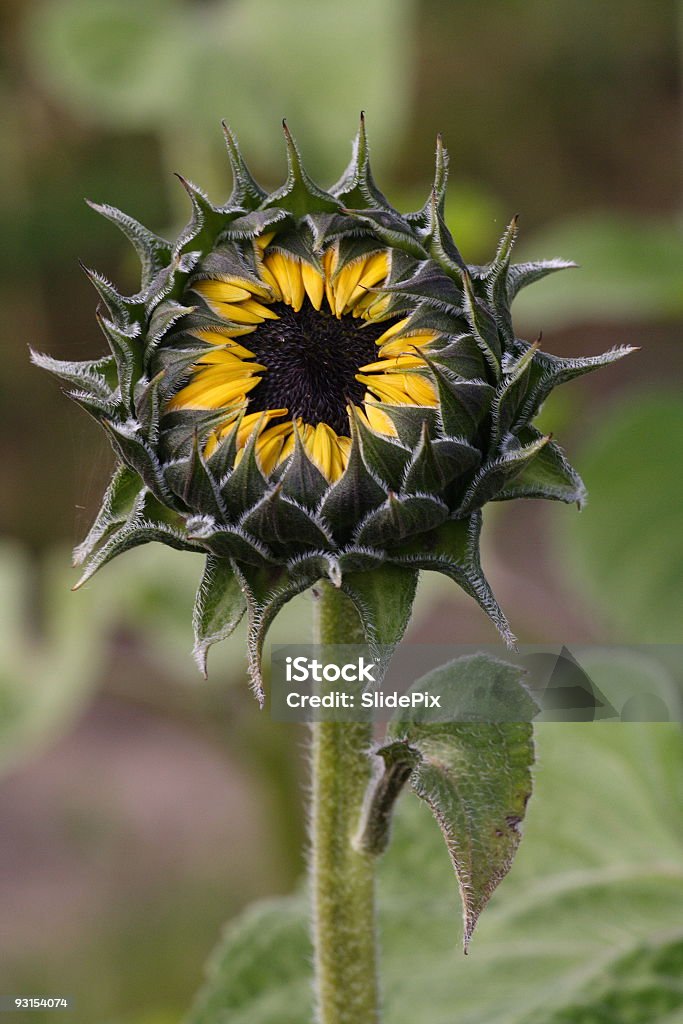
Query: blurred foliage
x=178, y=68
x=627, y=550
x=49, y=664
x=630, y=270
x=586, y=927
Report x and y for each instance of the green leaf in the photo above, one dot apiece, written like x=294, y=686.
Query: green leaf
x=121, y=501
x=400, y=518
x=475, y=777
x=384, y=598
x=454, y=551
x=218, y=609
x=267, y=590
x=587, y=927
x=548, y=475
x=496, y=475
x=626, y=550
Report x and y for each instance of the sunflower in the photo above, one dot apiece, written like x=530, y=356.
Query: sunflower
x=314, y=342
x=310, y=384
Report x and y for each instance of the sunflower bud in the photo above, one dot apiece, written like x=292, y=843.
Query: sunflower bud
x=310, y=384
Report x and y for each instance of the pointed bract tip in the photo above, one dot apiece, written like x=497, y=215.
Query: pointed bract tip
x=184, y=182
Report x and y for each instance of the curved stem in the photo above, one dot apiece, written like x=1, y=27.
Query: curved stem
x=342, y=878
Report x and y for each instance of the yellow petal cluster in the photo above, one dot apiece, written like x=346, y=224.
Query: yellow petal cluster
x=228, y=372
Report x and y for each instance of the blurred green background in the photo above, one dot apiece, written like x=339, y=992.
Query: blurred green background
x=140, y=806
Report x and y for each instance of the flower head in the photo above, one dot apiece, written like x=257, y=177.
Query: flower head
x=310, y=384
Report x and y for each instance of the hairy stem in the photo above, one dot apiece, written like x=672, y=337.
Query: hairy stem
x=342, y=878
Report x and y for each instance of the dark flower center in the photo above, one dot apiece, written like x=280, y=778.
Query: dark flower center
x=312, y=359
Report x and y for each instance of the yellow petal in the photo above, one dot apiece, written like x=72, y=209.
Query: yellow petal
x=340, y=456
x=252, y=419
x=219, y=291
x=263, y=241
x=344, y=284
x=238, y=313
x=396, y=364
x=379, y=420
x=296, y=284
x=225, y=337
x=392, y=331
x=276, y=264
x=270, y=444
x=216, y=372
x=376, y=309
x=258, y=309
x=313, y=283
x=375, y=269
x=271, y=281
x=345, y=449
x=319, y=445
x=386, y=386
x=287, y=448
x=330, y=257
x=219, y=356
x=198, y=395
x=420, y=389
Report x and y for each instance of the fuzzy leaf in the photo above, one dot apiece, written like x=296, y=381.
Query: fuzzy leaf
x=386, y=459
x=509, y=397
x=548, y=475
x=409, y=420
x=453, y=550
x=131, y=535
x=153, y=252
x=474, y=776
x=87, y=375
x=484, y=328
x=300, y=194
x=551, y=371
x=586, y=928
x=384, y=600
x=462, y=357
x=286, y=527
x=246, y=485
x=267, y=589
x=356, y=188
x=399, y=518
x=436, y=463
x=497, y=284
x=302, y=480
x=227, y=541
x=463, y=404
x=392, y=229
x=495, y=475
x=122, y=497
x=219, y=607
x=430, y=284
x=245, y=191
x=522, y=274
x=348, y=500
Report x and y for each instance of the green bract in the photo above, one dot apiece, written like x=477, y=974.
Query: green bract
x=406, y=500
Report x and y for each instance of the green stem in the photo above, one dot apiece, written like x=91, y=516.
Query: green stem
x=343, y=883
